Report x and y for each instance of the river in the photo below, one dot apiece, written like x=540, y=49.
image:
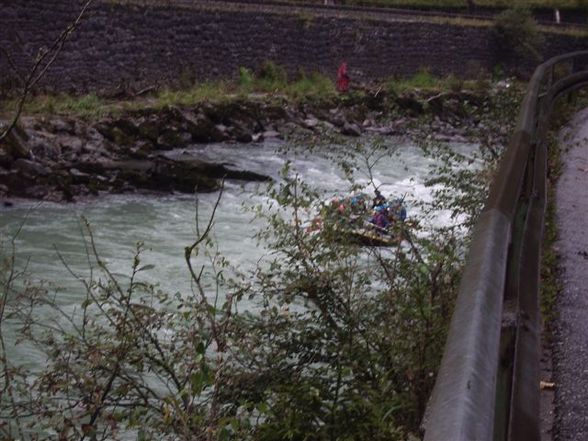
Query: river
x=166, y=223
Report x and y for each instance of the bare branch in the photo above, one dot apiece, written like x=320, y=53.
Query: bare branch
x=42, y=64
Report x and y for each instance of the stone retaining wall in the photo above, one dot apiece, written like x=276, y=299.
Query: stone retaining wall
x=173, y=41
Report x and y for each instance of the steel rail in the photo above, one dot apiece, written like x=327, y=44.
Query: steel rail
x=487, y=387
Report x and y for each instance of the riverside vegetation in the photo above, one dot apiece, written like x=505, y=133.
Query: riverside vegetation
x=70, y=148
x=344, y=341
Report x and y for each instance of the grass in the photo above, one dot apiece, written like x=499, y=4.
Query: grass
x=213, y=91
x=271, y=81
x=88, y=106
x=426, y=81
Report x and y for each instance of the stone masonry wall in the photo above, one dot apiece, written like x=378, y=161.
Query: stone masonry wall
x=139, y=45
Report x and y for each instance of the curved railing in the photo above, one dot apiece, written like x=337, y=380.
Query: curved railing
x=488, y=385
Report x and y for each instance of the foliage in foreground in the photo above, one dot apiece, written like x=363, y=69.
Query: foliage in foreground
x=343, y=341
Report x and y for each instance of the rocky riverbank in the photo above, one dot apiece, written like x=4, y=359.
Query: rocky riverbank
x=67, y=158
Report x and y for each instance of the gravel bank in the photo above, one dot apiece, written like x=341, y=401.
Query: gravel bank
x=571, y=336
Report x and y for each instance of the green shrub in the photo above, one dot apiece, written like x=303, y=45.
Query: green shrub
x=315, y=85
x=271, y=77
x=423, y=79
x=246, y=79
x=207, y=91
x=517, y=32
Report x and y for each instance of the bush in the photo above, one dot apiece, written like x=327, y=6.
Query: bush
x=271, y=76
x=315, y=85
x=517, y=32
x=245, y=79
x=344, y=343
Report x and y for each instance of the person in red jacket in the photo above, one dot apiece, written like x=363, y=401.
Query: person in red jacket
x=342, y=78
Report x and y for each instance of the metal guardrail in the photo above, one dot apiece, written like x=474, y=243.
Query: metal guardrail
x=488, y=385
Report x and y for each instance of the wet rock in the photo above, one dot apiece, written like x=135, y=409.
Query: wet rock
x=36, y=191
x=42, y=148
x=337, y=118
x=222, y=130
x=311, y=123
x=436, y=104
x=120, y=132
x=203, y=130
x=241, y=133
x=79, y=176
x=172, y=138
x=141, y=150
x=149, y=129
x=70, y=145
x=269, y=134
x=219, y=171
x=244, y=137
x=275, y=113
x=15, y=144
x=95, y=148
x=119, y=137
x=30, y=168
x=60, y=179
x=6, y=159
x=376, y=101
x=412, y=105
x=62, y=126
x=350, y=129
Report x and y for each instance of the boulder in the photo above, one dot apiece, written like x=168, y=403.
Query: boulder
x=29, y=168
x=15, y=143
x=43, y=148
x=122, y=132
x=172, y=138
x=203, y=130
x=350, y=129
x=241, y=133
x=412, y=105
x=270, y=134
x=149, y=129
x=58, y=125
x=79, y=176
x=6, y=159
x=36, y=191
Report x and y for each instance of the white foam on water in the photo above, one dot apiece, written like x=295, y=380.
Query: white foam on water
x=166, y=224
